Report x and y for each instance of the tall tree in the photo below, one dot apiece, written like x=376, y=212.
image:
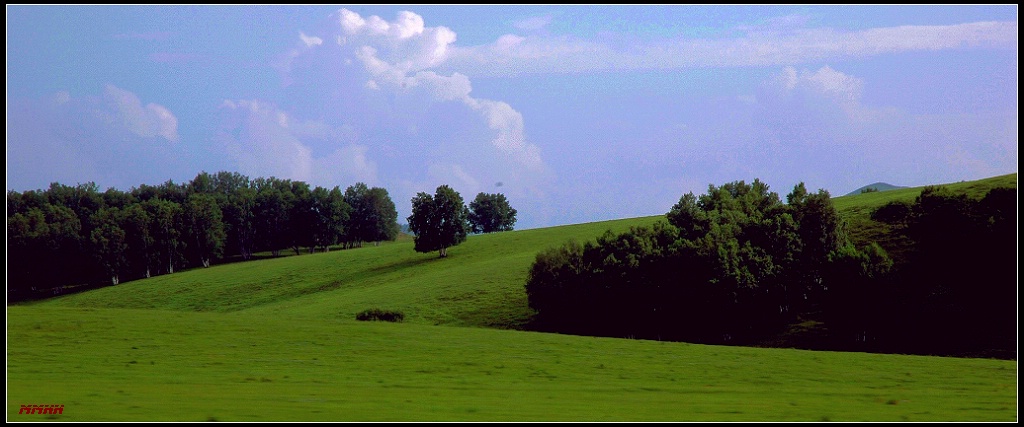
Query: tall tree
x=373, y=217
x=383, y=220
x=329, y=214
x=358, y=224
x=137, y=225
x=301, y=217
x=272, y=206
x=165, y=229
x=439, y=222
x=206, y=228
x=109, y=242
x=490, y=213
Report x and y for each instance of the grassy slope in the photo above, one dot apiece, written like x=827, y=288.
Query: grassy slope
x=856, y=209
x=479, y=284
x=274, y=340
x=157, y=365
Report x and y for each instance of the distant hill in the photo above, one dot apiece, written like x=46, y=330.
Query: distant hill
x=880, y=186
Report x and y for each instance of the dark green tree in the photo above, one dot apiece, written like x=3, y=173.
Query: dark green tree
x=330, y=212
x=439, y=222
x=383, y=219
x=489, y=213
x=205, y=228
x=271, y=214
x=301, y=217
x=137, y=225
x=109, y=242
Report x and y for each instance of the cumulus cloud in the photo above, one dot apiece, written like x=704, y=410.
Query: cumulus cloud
x=782, y=42
x=124, y=108
x=417, y=127
x=74, y=139
x=266, y=141
x=404, y=53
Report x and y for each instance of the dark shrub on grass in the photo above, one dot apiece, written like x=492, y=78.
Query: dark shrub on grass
x=378, y=314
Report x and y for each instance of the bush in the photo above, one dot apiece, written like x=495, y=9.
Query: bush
x=383, y=315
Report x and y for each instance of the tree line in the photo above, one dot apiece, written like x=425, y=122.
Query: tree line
x=737, y=265
x=77, y=235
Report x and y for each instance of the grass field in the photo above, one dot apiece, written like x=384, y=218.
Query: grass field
x=158, y=365
x=276, y=340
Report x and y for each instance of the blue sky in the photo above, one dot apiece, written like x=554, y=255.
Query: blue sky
x=575, y=113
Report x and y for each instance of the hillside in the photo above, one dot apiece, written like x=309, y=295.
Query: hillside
x=479, y=284
x=276, y=340
x=856, y=209
x=878, y=186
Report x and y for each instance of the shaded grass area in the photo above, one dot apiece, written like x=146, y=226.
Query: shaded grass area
x=479, y=284
x=158, y=365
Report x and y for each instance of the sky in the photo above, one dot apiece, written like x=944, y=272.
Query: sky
x=574, y=113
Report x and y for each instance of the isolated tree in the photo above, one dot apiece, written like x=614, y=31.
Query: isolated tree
x=439, y=222
x=490, y=213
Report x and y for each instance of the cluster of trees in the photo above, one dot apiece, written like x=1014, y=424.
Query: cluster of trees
x=956, y=291
x=737, y=265
x=442, y=220
x=77, y=235
x=733, y=265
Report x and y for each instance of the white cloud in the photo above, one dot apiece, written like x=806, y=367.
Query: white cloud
x=126, y=109
x=782, y=44
x=398, y=55
x=266, y=141
x=533, y=23
x=72, y=139
x=310, y=41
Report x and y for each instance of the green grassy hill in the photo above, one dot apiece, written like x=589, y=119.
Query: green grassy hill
x=878, y=186
x=479, y=284
x=856, y=209
x=276, y=340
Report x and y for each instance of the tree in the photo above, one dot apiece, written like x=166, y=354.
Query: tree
x=330, y=212
x=438, y=222
x=165, y=220
x=206, y=227
x=271, y=210
x=490, y=213
x=109, y=241
x=373, y=217
x=301, y=217
x=137, y=225
x=383, y=220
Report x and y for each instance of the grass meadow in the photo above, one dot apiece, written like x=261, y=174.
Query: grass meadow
x=159, y=365
x=276, y=340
